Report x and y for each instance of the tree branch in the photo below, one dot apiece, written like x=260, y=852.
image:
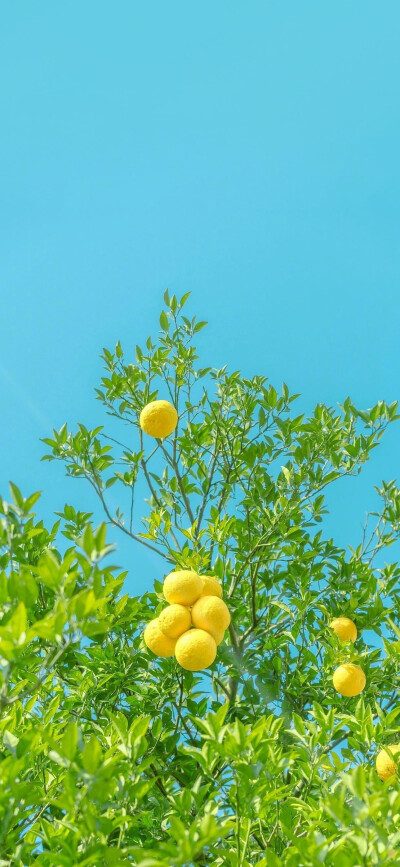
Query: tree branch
x=174, y=464
x=120, y=526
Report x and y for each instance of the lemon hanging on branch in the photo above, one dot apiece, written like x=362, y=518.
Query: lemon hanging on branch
x=344, y=628
x=174, y=620
x=158, y=419
x=349, y=679
x=195, y=650
x=218, y=635
x=182, y=587
x=211, y=613
x=156, y=641
x=386, y=765
x=211, y=587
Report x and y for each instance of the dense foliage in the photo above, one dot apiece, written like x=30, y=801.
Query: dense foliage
x=111, y=756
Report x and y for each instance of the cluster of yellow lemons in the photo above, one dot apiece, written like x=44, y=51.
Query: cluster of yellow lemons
x=194, y=622
x=349, y=679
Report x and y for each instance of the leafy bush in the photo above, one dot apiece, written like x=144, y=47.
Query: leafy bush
x=112, y=757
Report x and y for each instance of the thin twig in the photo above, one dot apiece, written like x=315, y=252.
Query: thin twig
x=174, y=464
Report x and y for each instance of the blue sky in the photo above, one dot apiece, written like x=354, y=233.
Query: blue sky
x=248, y=152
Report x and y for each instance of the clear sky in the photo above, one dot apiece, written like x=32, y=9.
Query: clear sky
x=248, y=152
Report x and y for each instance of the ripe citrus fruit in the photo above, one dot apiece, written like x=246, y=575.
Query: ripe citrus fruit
x=344, y=628
x=157, y=641
x=211, y=587
x=195, y=650
x=211, y=613
x=349, y=679
x=182, y=587
x=385, y=766
x=218, y=635
x=174, y=620
x=158, y=418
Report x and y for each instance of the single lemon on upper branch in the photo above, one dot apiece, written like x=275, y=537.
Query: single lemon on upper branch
x=344, y=628
x=182, y=587
x=387, y=766
x=156, y=641
x=349, y=679
x=158, y=419
x=195, y=650
x=174, y=620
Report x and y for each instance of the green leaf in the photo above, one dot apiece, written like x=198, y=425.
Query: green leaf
x=48, y=570
x=120, y=725
x=199, y=326
x=22, y=586
x=164, y=322
x=10, y=741
x=16, y=495
x=18, y=622
x=69, y=740
x=184, y=299
x=59, y=760
x=91, y=756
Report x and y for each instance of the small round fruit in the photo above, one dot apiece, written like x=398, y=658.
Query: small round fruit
x=211, y=613
x=387, y=767
x=211, y=587
x=174, y=620
x=157, y=641
x=349, y=679
x=344, y=628
x=195, y=650
x=158, y=418
x=182, y=587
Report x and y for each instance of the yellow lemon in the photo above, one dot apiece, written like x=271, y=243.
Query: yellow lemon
x=195, y=650
x=218, y=635
x=385, y=766
x=349, y=679
x=174, y=620
x=157, y=641
x=182, y=587
x=344, y=628
x=158, y=418
x=211, y=613
x=211, y=587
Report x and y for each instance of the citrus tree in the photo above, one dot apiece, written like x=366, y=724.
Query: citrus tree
x=113, y=755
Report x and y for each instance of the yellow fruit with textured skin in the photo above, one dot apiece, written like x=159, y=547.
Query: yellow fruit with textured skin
x=211, y=613
x=157, y=641
x=182, y=587
x=195, y=650
x=344, y=628
x=349, y=679
x=218, y=636
x=211, y=587
x=174, y=620
x=385, y=765
x=158, y=418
